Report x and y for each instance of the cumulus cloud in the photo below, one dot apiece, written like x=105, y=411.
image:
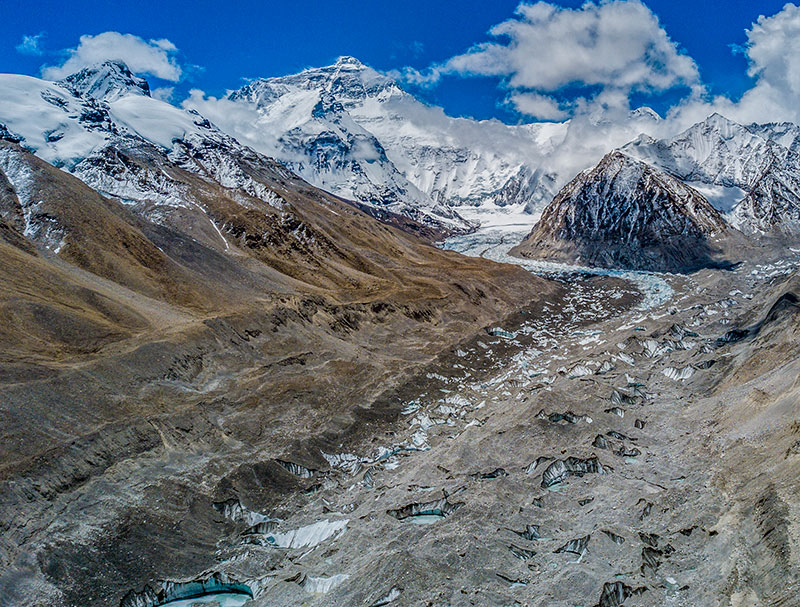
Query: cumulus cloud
x=773, y=48
x=31, y=45
x=240, y=119
x=153, y=57
x=773, y=53
x=618, y=45
x=164, y=93
x=534, y=104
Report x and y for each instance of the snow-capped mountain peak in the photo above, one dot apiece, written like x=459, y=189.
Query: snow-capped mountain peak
x=647, y=113
x=354, y=131
x=107, y=81
x=348, y=80
x=625, y=213
x=747, y=172
x=349, y=61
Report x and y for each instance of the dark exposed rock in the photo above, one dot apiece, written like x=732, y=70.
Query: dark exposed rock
x=624, y=451
x=7, y=135
x=787, y=305
x=618, y=436
x=616, y=593
x=555, y=418
x=496, y=473
x=627, y=214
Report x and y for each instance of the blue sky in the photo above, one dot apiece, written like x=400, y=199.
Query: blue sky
x=221, y=43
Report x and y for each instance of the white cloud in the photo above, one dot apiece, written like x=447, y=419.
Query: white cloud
x=773, y=52
x=539, y=106
x=164, y=93
x=423, y=79
x=31, y=45
x=617, y=45
x=154, y=57
x=239, y=119
x=773, y=48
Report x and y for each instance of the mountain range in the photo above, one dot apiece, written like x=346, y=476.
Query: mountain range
x=700, y=198
x=225, y=323
x=353, y=131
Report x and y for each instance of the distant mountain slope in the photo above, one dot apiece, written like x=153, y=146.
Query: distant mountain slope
x=625, y=213
x=751, y=173
x=355, y=132
x=649, y=205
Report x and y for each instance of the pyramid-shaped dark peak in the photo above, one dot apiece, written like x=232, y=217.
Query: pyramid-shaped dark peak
x=627, y=214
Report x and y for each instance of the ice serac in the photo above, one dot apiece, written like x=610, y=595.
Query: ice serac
x=627, y=214
x=749, y=173
x=107, y=81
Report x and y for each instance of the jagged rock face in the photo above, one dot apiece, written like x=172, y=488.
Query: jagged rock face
x=106, y=82
x=786, y=134
x=426, y=158
x=627, y=214
x=716, y=151
x=772, y=203
x=748, y=172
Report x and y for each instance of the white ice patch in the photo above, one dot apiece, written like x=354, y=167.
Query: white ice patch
x=722, y=198
x=348, y=462
x=580, y=371
x=393, y=595
x=308, y=536
x=678, y=374
x=626, y=358
x=158, y=122
x=236, y=512
x=37, y=110
x=653, y=349
x=224, y=599
x=495, y=244
x=323, y=585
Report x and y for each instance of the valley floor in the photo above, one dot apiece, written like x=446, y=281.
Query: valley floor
x=595, y=453
x=602, y=448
